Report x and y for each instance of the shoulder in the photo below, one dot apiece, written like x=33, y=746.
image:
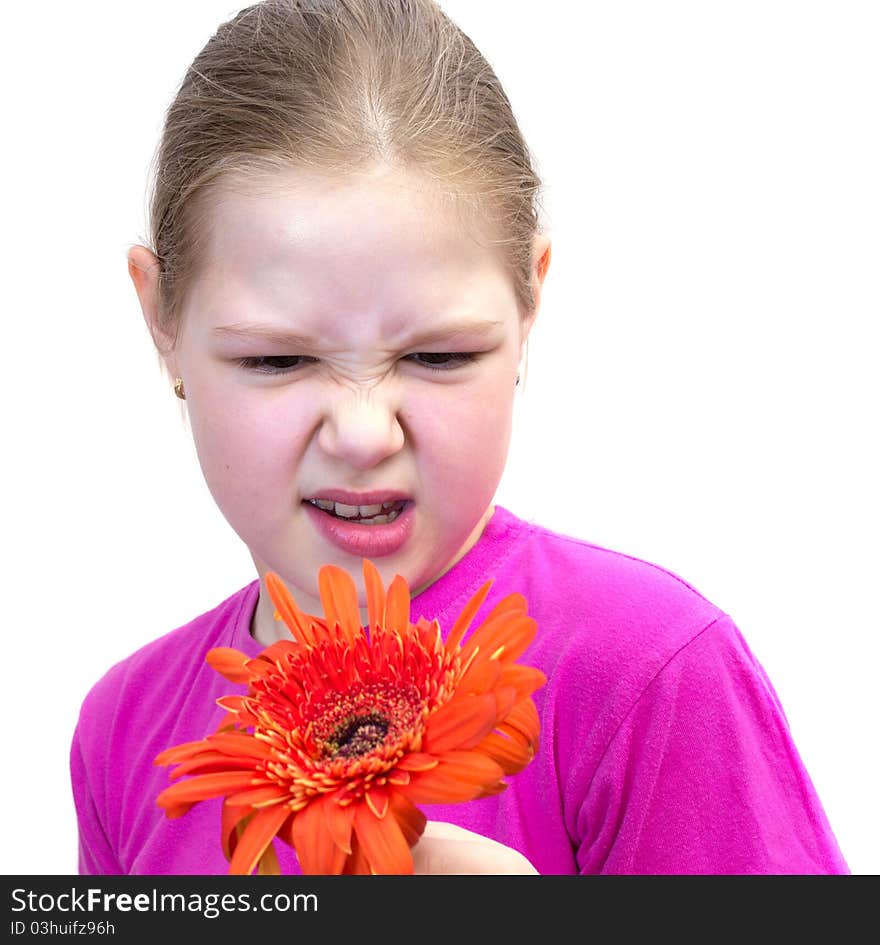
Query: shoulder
x=606, y=570
x=173, y=663
x=601, y=602
x=611, y=628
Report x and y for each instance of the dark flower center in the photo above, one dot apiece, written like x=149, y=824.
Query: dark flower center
x=359, y=735
x=365, y=720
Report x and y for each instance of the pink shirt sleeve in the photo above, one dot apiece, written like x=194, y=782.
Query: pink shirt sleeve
x=95, y=852
x=702, y=776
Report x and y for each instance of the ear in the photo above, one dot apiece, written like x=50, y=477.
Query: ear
x=144, y=268
x=540, y=265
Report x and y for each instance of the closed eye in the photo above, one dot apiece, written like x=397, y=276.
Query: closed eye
x=444, y=361
x=286, y=364
x=274, y=364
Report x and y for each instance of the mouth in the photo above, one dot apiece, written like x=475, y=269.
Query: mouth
x=377, y=513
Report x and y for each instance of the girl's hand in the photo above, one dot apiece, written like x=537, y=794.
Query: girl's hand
x=446, y=849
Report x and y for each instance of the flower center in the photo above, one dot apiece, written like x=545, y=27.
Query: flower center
x=359, y=735
x=372, y=719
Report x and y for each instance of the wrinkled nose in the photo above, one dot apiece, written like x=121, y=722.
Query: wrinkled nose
x=361, y=429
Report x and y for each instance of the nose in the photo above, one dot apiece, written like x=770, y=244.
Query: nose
x=361, y=428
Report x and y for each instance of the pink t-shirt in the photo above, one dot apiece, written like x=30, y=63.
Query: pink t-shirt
x=663, y=746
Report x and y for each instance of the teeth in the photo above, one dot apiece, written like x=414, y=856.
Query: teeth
x=371, y=512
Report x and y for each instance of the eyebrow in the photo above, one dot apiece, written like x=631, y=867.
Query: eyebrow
x=270, y=333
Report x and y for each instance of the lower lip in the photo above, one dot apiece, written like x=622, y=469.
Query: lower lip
x=368, y=541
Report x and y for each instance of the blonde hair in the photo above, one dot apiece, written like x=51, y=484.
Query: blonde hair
x=340, y=86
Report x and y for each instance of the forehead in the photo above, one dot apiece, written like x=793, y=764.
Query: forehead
x=353, y=259
x=380, y=216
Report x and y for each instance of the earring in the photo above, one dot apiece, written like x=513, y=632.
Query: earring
x=178, y=388
x=517, y=381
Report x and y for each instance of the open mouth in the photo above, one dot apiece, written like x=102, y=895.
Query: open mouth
x=378, y=514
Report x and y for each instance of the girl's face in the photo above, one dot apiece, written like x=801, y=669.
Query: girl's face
x=349, y=337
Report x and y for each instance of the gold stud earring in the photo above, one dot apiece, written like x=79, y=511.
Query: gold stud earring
x=178, y=388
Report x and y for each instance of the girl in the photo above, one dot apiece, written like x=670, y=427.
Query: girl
x=344, y=271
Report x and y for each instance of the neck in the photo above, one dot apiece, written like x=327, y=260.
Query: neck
x=265, y=629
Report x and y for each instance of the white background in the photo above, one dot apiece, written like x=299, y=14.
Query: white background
x=702, y=388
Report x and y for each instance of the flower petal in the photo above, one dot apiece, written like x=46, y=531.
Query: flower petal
x=459, y=776
x=464, y=619
x=461, y=723
x=262, y=668
x=173, y=811
x=523, y=721
x=230, y=663
x=268, y=864
x=376, y=798
x=480, y=676
x=357, y=864
x=339, y=823
x=339, y=598
x=397, y=605
x=511, y=753
x=180, y=752
x=237, y=744
x=505, y=697
x=399, y=777
x=498, y=788
x=203, y=786
x=382, y=842
x=375, y=594
x=524, y=679
x=274, y=654
x=315, y=847
x=211, y=762
x=417, y=761
x=257, y=835
x=233, y=820
x=412, y=821
x=257, y=796
x=510, y=604
x=228, y=722
x=505, y=638
x=297, y=622
x=233, y=704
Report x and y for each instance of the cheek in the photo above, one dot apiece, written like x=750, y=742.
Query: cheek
x=462, y=448
x=247, y=456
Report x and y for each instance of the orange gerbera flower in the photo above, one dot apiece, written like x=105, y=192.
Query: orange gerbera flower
x=344, y=730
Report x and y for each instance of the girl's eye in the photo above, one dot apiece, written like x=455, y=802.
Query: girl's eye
x=285, y=364
x=444, y=361
x=274, y=364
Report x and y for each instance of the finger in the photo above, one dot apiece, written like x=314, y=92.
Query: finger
x=446, y=849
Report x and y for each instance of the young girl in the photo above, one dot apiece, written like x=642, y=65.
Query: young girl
x=344, y=271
